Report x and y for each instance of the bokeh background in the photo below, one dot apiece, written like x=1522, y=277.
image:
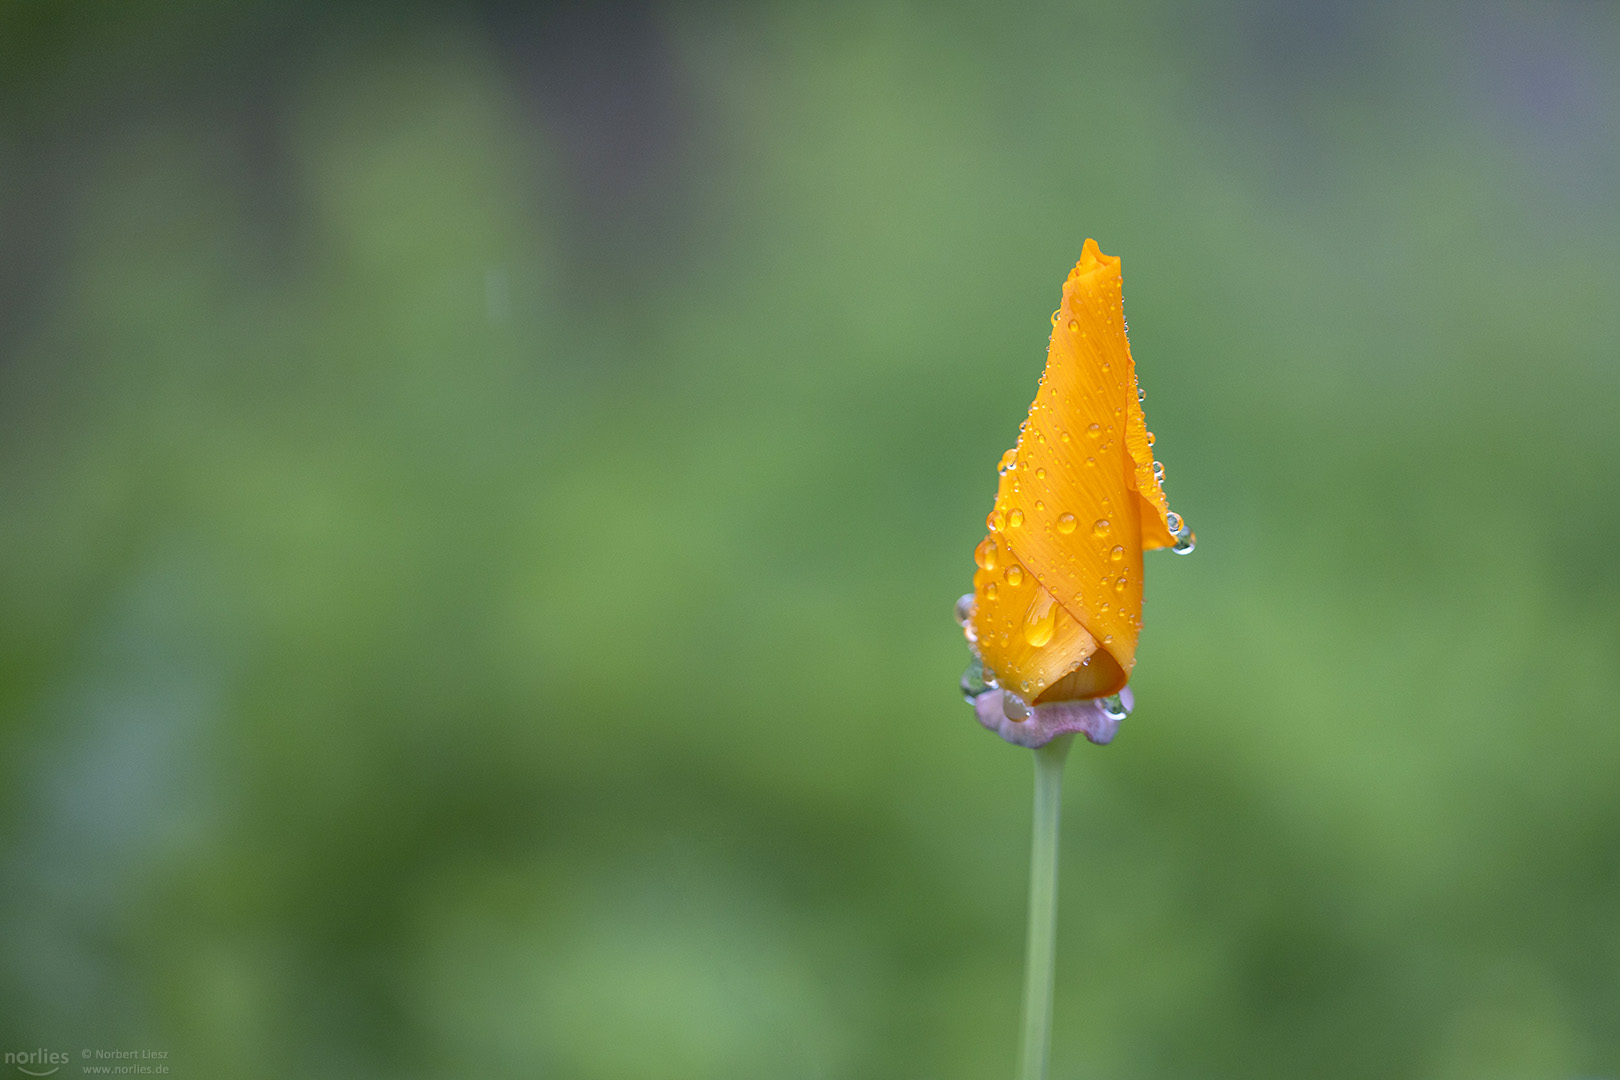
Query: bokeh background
x=483, y=487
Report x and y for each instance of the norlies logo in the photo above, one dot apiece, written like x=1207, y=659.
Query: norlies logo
x=37, y=1062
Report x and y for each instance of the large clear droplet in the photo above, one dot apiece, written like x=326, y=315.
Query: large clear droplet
x=1016, y=708
x=976, y=680
x=964, y=609
x=1114, y=708
x=1180, y=532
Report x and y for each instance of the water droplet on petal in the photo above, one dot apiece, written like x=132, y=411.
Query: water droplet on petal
x=1114, y=708
x=1065, y=523
x=985, y=554
x=1158, y=471
x=1064, y=436
x=1091, y=461
x=1151, y=438
x=1040, y=474
x=1040, y=621
x=990, y=591
x=1016, y=708
x=1119, y=586
x=1015, y=519
x=1014, y=575
x=1009, y=462
x=1039, y=506
x=964, y=609
x=1073, y=326
x=1173, y=522
x=1100, y=529
x=1118, y=554
x=1141, y=394
x=1094, y=431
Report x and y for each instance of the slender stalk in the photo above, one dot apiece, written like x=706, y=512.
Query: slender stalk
x=1043, y=883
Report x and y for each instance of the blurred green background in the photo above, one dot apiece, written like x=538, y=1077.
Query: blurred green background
x=483, y=487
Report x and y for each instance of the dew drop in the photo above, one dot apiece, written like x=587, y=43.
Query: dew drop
x=1065, y=524
x=1158, y=471
x=986, y=554
x=1064, y=436
x=1173, y=522
x=964, y=609
x=990, y=591
x=1014, y=575
x=1108, y=639
x=1094, y=432
x=1100, y=528
x=1141, y=394
x=1119, y=586
x=976, y=680
x=1151, y=438
x=1114, y=708
x=1073, y=326
x=1009, y=462
x=1091, y=461
x=1039, y=506
x=1040, y=474
x=1040, y=621
x=1118, y=554
x=1016, y=708
x=1015, y=519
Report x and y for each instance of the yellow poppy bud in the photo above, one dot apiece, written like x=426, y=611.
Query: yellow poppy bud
x=1057, y=595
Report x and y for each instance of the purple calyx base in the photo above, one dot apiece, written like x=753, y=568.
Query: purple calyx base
x=1047, y=722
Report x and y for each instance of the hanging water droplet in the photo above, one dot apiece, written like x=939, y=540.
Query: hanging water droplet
x=1014, y=575
x=1184, y=539
x=1158, y=471
x=1114, y=708
x=976, y=680
x=1151, y=438
x=964, y=609
x=1016, y=708
x=1065, y=524
x=985, y=554
x=1100, y=528
x=1009, y=462
x=1141, y=394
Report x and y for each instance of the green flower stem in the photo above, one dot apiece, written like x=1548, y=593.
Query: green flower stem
x=1043, y=883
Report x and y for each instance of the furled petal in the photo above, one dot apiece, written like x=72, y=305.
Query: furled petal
x=1058, y=591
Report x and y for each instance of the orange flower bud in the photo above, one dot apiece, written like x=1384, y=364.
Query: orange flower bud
x=1057, y=596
